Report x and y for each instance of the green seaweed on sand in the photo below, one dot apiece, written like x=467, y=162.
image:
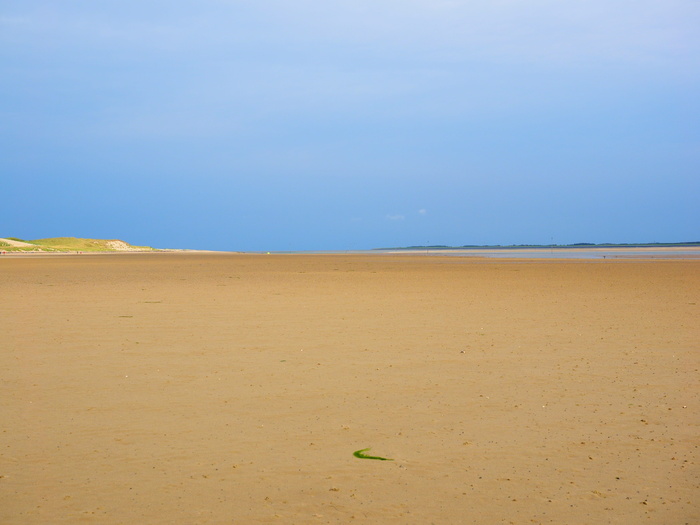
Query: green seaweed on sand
x=359, y=454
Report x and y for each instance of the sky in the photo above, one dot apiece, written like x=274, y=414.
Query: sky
x=278, y=125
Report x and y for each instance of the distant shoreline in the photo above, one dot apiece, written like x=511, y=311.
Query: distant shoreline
x=76, y=246
x=599, y=252
x=581, y=246
x=532, y=254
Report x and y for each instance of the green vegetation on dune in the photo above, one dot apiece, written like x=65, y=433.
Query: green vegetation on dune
x=8, y=248
x=72, y=244
x=87, y=245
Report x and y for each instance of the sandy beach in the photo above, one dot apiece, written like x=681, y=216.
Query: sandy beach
x=230, y=388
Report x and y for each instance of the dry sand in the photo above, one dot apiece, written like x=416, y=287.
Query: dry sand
x=190, y=388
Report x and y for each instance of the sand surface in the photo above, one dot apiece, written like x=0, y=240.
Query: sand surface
x=191, y=388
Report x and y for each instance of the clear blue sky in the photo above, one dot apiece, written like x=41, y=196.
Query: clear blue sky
x=350, y=124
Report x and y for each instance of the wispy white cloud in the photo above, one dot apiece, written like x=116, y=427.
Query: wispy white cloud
x=395, y=217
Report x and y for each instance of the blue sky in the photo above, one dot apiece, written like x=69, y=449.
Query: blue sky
x=351, y=124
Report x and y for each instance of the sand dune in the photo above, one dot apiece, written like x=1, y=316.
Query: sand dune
x=16, y=244
x=190, y=388
x=69, y=244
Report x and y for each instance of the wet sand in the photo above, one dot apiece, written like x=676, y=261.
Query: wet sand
x=205, y=388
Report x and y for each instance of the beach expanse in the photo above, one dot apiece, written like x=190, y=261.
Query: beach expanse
x=234, y=388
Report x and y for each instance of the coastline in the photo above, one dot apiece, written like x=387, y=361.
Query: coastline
x=685, y=252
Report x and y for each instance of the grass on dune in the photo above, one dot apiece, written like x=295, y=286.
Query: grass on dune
x=72, y=244
x=84, y=245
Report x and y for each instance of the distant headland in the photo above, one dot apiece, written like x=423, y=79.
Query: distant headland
x=581, y=245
